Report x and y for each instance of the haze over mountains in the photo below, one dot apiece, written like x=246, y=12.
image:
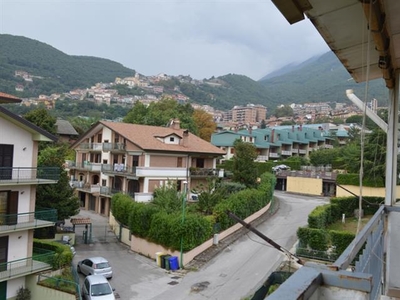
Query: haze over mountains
x=319, y=79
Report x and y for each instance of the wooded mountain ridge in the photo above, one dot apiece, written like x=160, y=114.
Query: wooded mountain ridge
x=319, y=79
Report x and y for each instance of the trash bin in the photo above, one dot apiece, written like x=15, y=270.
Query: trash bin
x=173, y=263
x=166, y=262
x=163, y=261
x=158, y=258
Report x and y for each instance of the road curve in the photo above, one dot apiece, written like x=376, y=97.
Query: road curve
x=240, y=269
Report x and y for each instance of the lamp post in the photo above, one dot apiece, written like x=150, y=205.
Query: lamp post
x=183, y=219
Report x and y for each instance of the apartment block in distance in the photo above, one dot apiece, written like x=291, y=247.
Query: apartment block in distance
x=19, y=176
x=134, y=159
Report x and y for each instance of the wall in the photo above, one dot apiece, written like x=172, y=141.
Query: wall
x=163, y=161
x=366, y=191
x=45, y=293
x=301, y=185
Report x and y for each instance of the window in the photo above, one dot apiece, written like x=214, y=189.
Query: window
x=99, y=137
x=179, y=162
x=103, y=182
x=232, y=150
x=200, y=162
x=171, y=139
x=135, y=160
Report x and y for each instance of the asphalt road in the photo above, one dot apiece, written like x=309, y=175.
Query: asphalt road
x=239, y=270
x=235, y=273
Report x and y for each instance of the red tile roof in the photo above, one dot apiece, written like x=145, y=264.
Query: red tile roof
x=6, y=98
x=145, y=137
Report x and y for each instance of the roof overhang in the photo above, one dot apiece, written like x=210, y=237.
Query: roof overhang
x=344, y=24
x=6, y=98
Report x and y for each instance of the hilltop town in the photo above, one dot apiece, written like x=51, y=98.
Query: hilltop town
x=147, y=89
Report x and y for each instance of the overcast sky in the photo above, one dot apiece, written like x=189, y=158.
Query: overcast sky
x=201, y=38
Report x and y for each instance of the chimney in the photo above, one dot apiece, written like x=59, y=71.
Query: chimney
x=175, y=124
x=272, y=135
x=185, y=138
x=250, y=129
x=301, y=127
x=292, y=128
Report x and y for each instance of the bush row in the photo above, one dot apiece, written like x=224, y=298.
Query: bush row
x=317, y=237
x=62, y=257
x=322, y=216
x=354, y=179
x=149, y=221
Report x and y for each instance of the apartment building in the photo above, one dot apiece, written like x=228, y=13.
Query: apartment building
x=19, y=176
x=134, y=159
x=273, y=143
x=248, y=114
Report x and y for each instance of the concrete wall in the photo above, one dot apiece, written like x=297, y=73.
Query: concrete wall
x=301, y=185
x=149, y=249
x=366, y=191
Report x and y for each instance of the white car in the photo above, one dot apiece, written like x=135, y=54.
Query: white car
x=280, y=167
x=97, y=287
x=95, y=266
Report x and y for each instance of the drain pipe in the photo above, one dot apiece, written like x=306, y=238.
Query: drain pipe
x=373, y=116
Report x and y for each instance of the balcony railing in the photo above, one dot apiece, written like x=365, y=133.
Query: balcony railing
x=118, y=169
x=114, y=147
x=302, y=151
x=91, y=146
x=17, y=268
x=29, y=220
x=85, y=186
x=203, y=172
x=27, y=175
x=363, y=281
x=85, y=165
x=274, y=155
x=286, y=152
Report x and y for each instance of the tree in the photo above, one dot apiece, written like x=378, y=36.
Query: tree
x=204, y=123
x=323, y=157
x=263, y=125
x=210, y=195
x=59, y=196
x=82, y=125
x=42, y=118
x=284, y=111
x=244, y=167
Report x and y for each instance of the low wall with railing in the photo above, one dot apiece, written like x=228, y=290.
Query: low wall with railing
x=366, y=191
x=44, y=293
x=150, y=249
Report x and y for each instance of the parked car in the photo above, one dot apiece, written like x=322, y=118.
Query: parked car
x=95, y=266
x=280, y=167
x=97, y=287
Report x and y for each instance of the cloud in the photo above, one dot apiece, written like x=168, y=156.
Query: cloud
x=200, y=38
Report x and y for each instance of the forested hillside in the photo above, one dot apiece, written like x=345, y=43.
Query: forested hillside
x=60, y=72
x=321, y=80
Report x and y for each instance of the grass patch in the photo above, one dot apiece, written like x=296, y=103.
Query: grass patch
x=64, y=282
x=350, y=224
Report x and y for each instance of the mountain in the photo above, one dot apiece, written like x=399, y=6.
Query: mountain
x=53, y=70
x=322, y=79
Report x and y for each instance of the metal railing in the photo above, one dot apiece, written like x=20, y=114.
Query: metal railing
x=114, y=147
x=60, y=284
x=28, y=174
x=91, y=146
x=22, y=221
x=201, y=172
x=118, y=169
x=40, y=261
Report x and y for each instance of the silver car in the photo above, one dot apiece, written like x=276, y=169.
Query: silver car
x=95, y=266
x=97, y=287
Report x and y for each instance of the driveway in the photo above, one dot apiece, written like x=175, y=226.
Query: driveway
x=135, y=276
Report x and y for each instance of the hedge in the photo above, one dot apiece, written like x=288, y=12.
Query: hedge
x=63, y=255
x=354, y=179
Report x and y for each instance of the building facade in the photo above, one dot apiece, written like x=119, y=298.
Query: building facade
x=19, y=176
x=136, y=159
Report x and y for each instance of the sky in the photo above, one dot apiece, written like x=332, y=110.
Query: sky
x=200, y=38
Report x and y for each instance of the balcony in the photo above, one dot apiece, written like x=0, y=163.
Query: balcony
x=114, y=147
x=24, y=221
x=354, y=276
x=85, y=165
x=90, y=146
x=286, y=152
x=274, y=155
x=302, y=151
x=27, y=175
x=327, y=146
x=41, y=261
x=161, y=172
x=295, y=150
x=204, y=172
x=87, y=187
x=262, y=158
x=118, y=169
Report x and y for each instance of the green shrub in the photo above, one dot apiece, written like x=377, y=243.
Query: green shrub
x=121, y=206
x=354, y=179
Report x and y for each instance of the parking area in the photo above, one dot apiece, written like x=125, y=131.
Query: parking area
x=134, y=276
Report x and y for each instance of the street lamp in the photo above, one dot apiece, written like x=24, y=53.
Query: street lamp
x=183, y=218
